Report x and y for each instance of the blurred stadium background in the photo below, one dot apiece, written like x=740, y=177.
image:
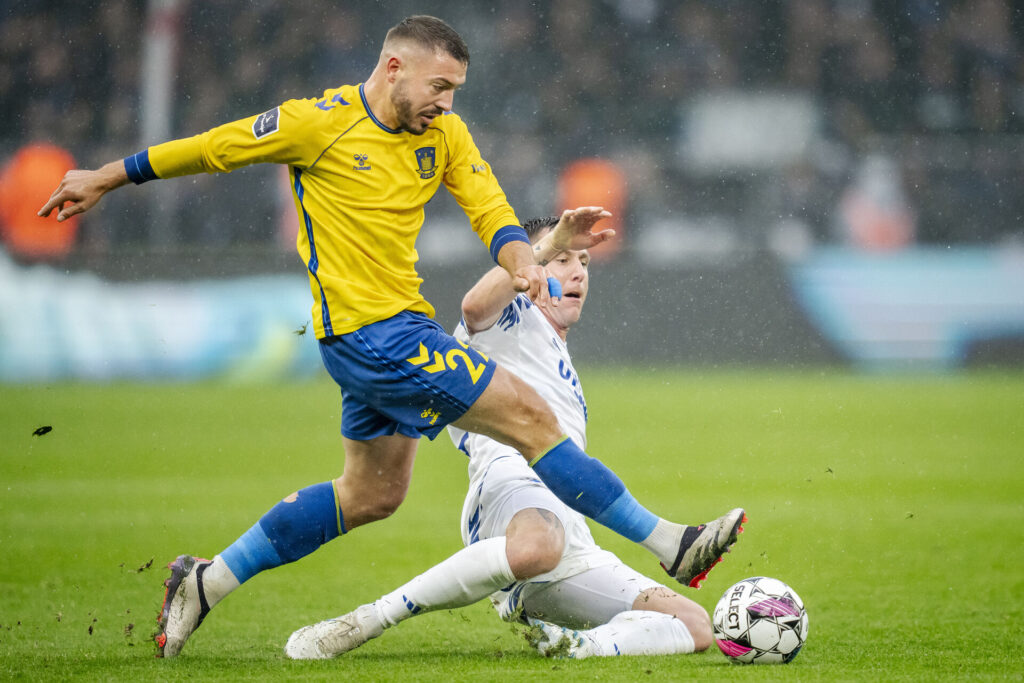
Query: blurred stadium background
x=795, y=182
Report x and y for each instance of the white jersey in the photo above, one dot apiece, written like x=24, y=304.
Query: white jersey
x=523, y=342
x=501, y=482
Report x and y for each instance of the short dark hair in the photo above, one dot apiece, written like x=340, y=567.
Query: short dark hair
x=430, y=32
x=534, y=226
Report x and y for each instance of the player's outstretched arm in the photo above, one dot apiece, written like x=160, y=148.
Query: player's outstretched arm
x=80, y=190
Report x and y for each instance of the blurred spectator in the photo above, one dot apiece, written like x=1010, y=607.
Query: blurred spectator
x=25, y=184
x=874, y=213
x=597, y=182
x=554, y=81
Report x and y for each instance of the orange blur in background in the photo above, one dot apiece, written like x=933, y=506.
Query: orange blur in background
x=596, y=182
x=26, y=182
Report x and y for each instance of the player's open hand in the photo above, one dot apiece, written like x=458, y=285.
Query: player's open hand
x=80, y=190
x=575, y=229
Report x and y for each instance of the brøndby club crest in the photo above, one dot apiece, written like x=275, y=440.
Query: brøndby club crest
x=425, y=162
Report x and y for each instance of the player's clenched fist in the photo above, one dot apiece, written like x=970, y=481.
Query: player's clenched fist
x=533, y=281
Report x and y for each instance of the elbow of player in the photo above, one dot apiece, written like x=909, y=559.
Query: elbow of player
x=476, y=314
x=471, y=314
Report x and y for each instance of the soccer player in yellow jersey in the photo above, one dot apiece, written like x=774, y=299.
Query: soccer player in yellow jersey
x=364, y=160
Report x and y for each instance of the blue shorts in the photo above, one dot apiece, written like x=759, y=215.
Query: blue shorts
x=403, y=375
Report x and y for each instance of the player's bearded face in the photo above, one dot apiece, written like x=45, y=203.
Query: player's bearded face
x=409, y=117
x=424, y=88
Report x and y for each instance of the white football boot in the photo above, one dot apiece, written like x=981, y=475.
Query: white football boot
x=558, y=642
x=337, y=636
x=184, y=607
x=701, y=547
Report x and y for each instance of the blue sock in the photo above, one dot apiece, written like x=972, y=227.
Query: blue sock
x=587, y=486
x=292, y=529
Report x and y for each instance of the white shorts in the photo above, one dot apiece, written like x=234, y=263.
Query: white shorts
x=588, y=587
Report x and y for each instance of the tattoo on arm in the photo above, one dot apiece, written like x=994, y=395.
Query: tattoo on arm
x=537, y=248
x=548, y=516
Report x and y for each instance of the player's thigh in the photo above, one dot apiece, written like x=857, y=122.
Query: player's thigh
x=589, y=598
x=376, y=477
x=506, y=488
x=511, y=411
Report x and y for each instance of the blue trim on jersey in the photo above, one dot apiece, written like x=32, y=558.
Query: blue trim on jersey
x=314, y=262
x=138, y=168
x=320, y=156
x=369, y=111
x=510, y=233
x=510, y=315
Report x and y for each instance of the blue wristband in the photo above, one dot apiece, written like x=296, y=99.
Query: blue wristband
x=509, y=233
x=138, y=168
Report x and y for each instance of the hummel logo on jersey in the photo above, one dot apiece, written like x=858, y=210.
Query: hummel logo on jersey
x=361, y=164
x=479, y=168
x=266, y=123
x=322, y=104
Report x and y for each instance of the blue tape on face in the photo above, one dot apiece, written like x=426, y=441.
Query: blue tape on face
x=554, y=288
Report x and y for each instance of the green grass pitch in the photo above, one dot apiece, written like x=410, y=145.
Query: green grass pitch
x=893, y=504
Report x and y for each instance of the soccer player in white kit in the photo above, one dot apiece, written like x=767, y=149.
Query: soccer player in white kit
x=527, y=550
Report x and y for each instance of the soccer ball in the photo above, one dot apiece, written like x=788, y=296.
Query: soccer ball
x=760, y=621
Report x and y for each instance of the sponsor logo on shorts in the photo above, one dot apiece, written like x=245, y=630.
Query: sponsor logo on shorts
x=430, y=414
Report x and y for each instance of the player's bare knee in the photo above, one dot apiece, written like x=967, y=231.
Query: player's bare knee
x=534, y=542
x=530, y=557
x=362, y=505
x=385, y=504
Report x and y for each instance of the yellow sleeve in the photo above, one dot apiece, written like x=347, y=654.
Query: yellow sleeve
x=286, y=134
x=469, y=179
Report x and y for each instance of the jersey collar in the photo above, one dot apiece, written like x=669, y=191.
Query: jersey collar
x=366, y=105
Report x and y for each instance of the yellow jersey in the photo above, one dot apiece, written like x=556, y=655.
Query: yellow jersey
x=359, y=187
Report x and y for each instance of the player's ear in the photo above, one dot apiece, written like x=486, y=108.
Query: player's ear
x=392, y=66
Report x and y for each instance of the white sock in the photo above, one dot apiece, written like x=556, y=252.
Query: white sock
x=218, y=581
x=664, y=541
x=469, y=575
x=639, y=632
